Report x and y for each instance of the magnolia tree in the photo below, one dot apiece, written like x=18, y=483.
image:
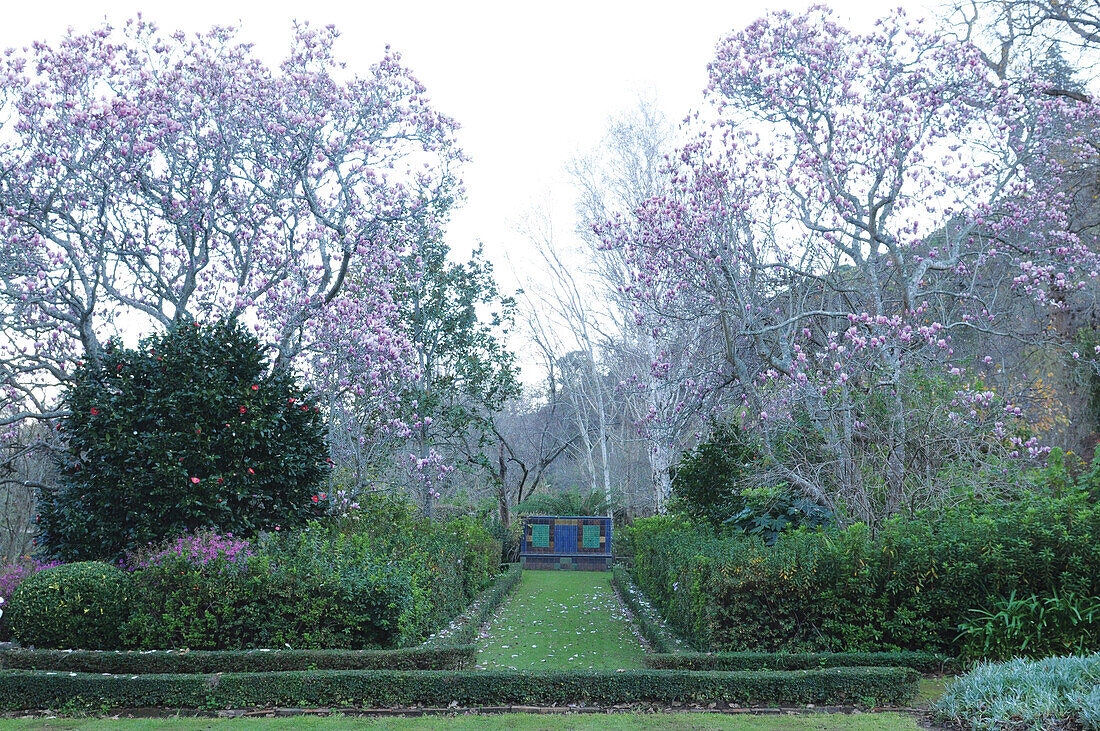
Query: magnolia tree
x=860, y=215
x=149, y=179
x=659, y=364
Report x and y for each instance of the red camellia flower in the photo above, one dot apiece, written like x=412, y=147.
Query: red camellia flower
x=255, y=387
x=315, y=499
x=195, y=480
x=94, y=411
x=221, y=480
x=290, y=401
x=251, y=471
x=243, y=409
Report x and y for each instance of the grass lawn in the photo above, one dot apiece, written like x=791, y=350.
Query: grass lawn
x=560, y=620
x=930, y=691
x=521, y=721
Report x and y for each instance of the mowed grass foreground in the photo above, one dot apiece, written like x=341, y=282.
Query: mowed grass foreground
x=520, y=721
x=560, y=620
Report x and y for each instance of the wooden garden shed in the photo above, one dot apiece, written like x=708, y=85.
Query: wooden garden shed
x=571, y=542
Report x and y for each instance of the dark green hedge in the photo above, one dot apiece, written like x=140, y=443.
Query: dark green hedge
x=237, y=661
x=26, y=689
x=382, y=577
x=463, y=630
x=192, y=429
x=906, y=586
x=655, y=632
x=925, y=662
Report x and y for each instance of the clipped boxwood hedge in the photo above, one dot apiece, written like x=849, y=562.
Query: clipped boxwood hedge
x=30, y=689
x=238, y=661
x=925, y=662
x=463, y=630
x=649, y=623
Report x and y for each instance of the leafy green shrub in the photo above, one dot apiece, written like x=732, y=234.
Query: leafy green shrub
x=379, y=578
x=237, y=661
x=480, y=557
x=69, y=606
x=302, y=590
x=510, y=536
x=376, y=578
x=222, y=603
x=372, y=597
x=710, y=485
x=187, y=431
x=27, y=689
x=706, y=483
x=1024, y=694
x=907, y=587
x=1033, y=626
x=11, y=576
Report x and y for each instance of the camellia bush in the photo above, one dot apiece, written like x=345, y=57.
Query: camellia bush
x=189, y=430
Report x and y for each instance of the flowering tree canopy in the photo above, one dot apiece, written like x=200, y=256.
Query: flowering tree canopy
x=150, y=178
x=862, y=209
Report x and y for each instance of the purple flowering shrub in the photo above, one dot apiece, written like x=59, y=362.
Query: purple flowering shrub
x=197, y=549
x=12, y=576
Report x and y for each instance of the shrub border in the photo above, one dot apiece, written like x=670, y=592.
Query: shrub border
x=652, y=627
x=923, y=662
x=453, y=657
x=463, y=629
x=22, y=690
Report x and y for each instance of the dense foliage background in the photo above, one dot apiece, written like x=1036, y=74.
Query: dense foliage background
x=379, y=577
x=911, y=584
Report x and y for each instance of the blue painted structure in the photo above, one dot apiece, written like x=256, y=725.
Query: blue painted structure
x=559, y=542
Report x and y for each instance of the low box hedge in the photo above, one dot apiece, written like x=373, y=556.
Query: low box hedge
x=655, y=631
x=237, y=661
x=463, y=629
x=22, y=690
x=925, y=662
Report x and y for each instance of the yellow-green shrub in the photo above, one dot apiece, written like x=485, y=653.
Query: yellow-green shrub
x=71, y=606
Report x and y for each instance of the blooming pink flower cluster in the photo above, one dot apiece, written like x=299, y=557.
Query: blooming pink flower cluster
x=429, y=472
x=200, y=549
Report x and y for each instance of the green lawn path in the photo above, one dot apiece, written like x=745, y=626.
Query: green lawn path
x=560, y=620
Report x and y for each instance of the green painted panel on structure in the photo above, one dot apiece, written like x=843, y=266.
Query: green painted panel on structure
x=540, y=535
x=591, y=538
